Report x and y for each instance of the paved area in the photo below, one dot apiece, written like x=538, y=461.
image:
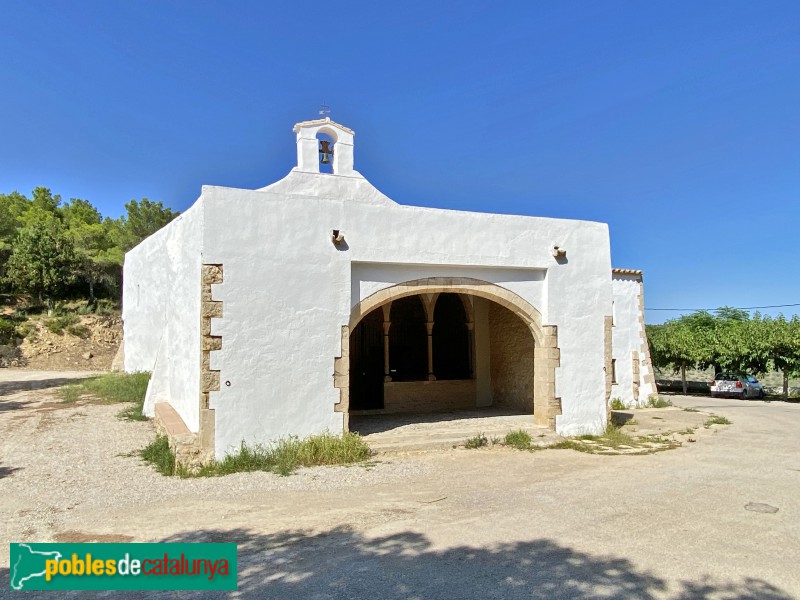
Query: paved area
x=713, y=519
x=414, y=432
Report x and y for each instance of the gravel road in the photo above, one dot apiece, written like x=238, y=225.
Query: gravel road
x=493, y=523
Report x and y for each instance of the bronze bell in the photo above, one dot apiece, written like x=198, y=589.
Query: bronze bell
x=325, y=152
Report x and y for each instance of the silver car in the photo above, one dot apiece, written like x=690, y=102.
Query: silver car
x=736, y=386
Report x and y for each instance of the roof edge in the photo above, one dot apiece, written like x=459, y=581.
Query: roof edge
x=626, y=272
x=325, y=121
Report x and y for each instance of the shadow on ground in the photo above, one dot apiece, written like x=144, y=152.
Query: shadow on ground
x=619, y=418
x=12, y=387
x=377, y=423
x=9, y=405
x=8, y=471
x=342, y=564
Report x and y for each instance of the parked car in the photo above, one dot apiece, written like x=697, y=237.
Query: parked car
x=736, y=386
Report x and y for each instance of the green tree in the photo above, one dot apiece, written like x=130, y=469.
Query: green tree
x=701, y=340
x=79, y=212
x=43, y=260
x=142, y=220
x=12, y=207
x=97, y=258
x=44, y=199
x=783, y=346
x=678, y=344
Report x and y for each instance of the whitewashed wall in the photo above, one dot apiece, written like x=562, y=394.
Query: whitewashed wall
x=628, y=337
x=288, y=291
x=161, y=314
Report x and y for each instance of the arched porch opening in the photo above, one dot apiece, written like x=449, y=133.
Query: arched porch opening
x=447, y=344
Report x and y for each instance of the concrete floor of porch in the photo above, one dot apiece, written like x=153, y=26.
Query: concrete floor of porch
x=407, y=432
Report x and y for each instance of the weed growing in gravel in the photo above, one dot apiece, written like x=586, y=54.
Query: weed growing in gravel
x=657, y=402
x=286, y=455
x=617, y=404
x=615, y=441
x=519, y=439
x=690, y=410
x=572, y=445
x=479, y=441
x=158, y=454
x=615, y=437
x=110, y=389
x=716, y=420
x=132, y=412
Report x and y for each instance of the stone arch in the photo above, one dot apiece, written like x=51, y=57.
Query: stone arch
x=330, y=132
x=547, y=355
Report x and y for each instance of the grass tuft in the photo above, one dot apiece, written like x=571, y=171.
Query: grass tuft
x=657, y=402
x=519, y=439
x=81, y=331
x=615, y=441
x=615, y=437
x=159, y=454
x=690, y=410
x=479, y=441
x=285, y=456
x=111, y=389
x=716, y=420
x=617, y=404
x=571, y=445
x=57, y=325
x=28, y=330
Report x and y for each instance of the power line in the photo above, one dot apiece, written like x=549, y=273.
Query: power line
x=731, y=307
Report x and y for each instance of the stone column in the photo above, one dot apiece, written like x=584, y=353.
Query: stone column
x=387, y=376
x=387, y=324
x=471, y=342
x=431, y=376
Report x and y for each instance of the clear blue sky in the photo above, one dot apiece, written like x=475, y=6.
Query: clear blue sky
x=678, y=123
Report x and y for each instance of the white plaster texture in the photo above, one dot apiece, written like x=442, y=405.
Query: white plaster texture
x=161, y=314
x=288, y=291
x=629, y=341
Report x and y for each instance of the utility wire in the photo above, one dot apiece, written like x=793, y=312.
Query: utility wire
x=732, y=307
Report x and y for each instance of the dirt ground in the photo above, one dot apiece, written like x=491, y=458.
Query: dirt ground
x=715, y=518
x=45, y=350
